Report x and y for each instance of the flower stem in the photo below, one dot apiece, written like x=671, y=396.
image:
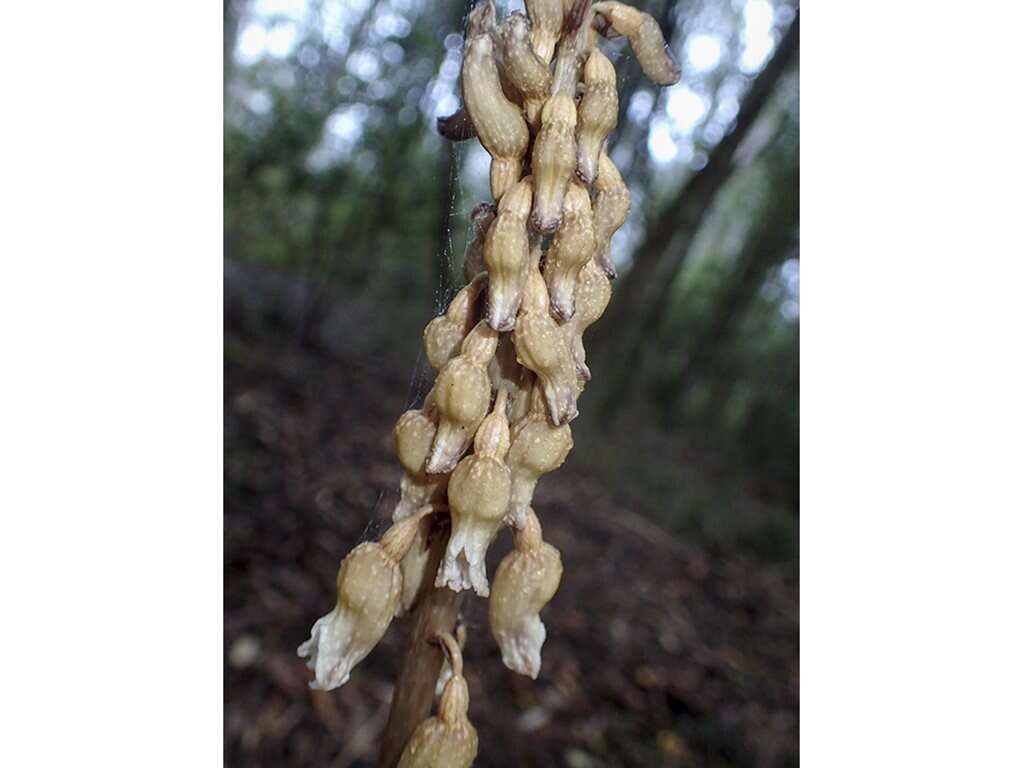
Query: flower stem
x=435, y=613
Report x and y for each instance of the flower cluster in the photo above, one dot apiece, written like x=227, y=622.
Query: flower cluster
x=541, y=97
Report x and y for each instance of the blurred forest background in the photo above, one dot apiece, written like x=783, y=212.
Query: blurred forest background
x=345, y=223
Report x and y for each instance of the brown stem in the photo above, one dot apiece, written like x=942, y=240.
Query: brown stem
x=435, y=613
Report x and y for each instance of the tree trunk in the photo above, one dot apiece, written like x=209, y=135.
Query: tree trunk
x=684, y=212
x=734, y=300
x=658, y=260
x=769, y=241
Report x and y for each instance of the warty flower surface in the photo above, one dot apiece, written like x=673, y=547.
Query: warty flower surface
x=571, y=248
x=542, y=347
x=506, y=250
x=369, y=585
x=498, y=122
x=611, y=207
x=462, y=393
x=598, y=114
x=524, y=583
x=538, y=447
x=554, y=158
x=478, y=496
x=645, y=39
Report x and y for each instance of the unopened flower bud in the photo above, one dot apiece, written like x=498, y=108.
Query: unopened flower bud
x=546, y=26
x=593, y=292
x=537, y=448
x=598, y=113
x=523, y=68
x=645, y=38
x=480, y=219
x=499, y=123
x=444, y=334
x=506, y=251
x=369, y=587
x=478, y=495
x=524, y=583
x=462, y=394
x=571, y=248
x=542, y=347
x=611, y=207
x=413, y=437
x=554, y=158
x=447, y=740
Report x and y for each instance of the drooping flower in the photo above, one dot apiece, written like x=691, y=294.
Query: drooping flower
x=538, y=447
x=542, y=347
x=593, y=292
x=553, y=161
x=478, y=495
x=598, y=114
x=499, y=123
x=524, y=583
x=506, y=251
x=462, y=393
x=369, y=584
x=571, y=248
x=546, y=26
x=645, y=38
x=522, y=67
x=611, y=206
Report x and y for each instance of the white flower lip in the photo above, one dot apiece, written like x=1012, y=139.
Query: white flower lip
x=328, y=651
x=520, y=648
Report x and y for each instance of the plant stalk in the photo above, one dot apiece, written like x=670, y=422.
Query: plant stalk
x=435, y=613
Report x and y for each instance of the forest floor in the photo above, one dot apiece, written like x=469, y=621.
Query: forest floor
x=658, y=651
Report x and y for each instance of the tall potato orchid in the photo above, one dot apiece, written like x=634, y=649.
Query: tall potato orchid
x=463, y=395
x=610, y=207
x=506, y=249
x=541, y=346
x=570, y=251
x=598, y=113
x=537, y=447
x=526, y=581
x=369, y=589
x=478, y=492
x=499, y=123
x=511, y=365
